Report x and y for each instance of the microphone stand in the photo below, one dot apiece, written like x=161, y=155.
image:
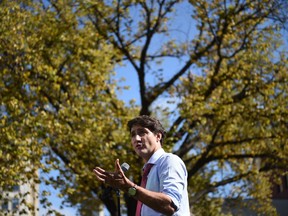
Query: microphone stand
x=125, y=168
x=118, y=201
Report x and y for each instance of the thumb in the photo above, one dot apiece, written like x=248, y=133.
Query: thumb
x=117, y=166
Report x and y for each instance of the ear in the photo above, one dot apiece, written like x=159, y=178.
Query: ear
x=158, y=136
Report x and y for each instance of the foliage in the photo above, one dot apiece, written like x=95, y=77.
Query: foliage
x=58, y=106
x=226, y=82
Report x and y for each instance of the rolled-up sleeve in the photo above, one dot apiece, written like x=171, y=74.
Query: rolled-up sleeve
x=173, y=178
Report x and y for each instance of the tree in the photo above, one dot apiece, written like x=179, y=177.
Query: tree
x=58, y=106
x=229, y=89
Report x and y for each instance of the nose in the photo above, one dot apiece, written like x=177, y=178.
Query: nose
x=136, y=138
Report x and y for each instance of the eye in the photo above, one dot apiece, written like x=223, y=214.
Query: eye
x=141, y=132
x=133, y=134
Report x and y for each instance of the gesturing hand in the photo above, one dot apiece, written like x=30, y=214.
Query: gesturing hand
x=115, y=179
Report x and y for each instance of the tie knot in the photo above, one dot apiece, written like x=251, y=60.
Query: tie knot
x=147, y=169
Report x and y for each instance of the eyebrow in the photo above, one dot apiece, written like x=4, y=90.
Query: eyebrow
x=139, y=130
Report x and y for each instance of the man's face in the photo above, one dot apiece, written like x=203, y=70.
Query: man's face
x=144, y=142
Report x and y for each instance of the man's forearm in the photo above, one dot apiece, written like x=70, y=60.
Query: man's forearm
x=158, y=201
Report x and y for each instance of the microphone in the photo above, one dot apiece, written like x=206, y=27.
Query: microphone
x=125, y=167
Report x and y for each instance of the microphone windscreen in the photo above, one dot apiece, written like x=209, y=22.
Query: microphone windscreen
x=125, y=167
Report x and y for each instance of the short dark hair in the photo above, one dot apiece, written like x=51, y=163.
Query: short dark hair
x=151, y=123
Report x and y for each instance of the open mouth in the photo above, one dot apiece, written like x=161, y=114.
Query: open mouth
x=139, y=145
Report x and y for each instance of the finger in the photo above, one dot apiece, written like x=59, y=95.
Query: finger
x=119, y=169
x=117, y=166
x=100, y=174
x=99, y=169
x=99, y=178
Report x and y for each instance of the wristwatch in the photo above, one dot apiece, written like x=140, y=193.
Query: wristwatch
x=132, y=191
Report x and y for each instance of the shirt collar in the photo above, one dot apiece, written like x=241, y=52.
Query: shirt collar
x=156, y=156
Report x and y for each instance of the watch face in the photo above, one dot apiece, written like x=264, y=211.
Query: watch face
x=132, y=191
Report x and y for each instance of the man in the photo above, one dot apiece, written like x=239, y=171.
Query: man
x=165, y=192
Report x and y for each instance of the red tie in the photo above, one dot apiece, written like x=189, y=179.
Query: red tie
x=147, y=169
